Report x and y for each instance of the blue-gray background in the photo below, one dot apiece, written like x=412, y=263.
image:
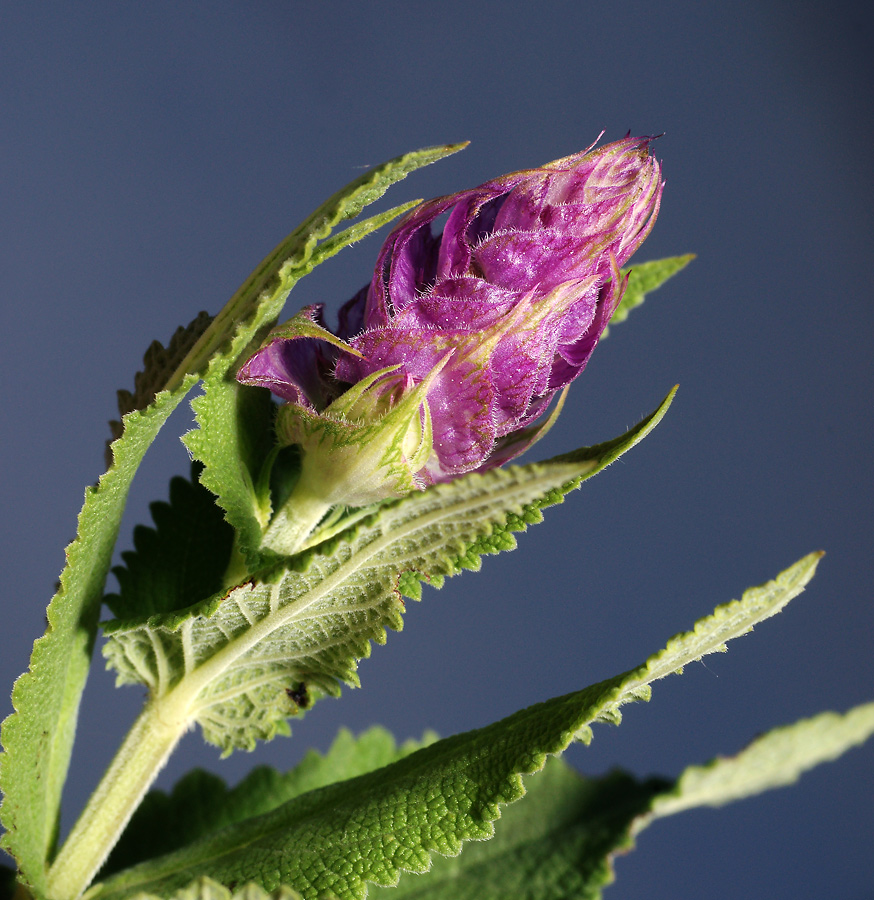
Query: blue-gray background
x=150, y=154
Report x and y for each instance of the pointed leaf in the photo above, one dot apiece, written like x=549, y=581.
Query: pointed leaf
x=261, y=297
x=776, y=759
x=38, y=736
x=236, y=661
x=644, y=278
x=201, y=803
x=560, y=841
x=374, y=827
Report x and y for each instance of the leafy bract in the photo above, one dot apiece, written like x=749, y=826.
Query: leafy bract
x=775, y=759
x=242, y=662
x=201, y=803
x=38, y=736
x=374, y=827
x=644, y=278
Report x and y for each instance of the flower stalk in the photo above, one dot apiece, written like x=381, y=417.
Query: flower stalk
x=145, y=750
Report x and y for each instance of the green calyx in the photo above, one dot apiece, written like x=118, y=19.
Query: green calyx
x=369, y=445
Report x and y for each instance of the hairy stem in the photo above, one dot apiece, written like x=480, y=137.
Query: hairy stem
x=143, y=754
x=295, y=521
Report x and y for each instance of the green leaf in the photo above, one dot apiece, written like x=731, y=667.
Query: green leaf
x=554, y=845
x=207, y=889
x=644, y=278
x=260, y=298
x=182, y=559
x=222, y=442
x=559, y=843
x=235, y=662
x=776, y=759
x=38, y=736
x=232, y=453
x=201, y=803
x=360, y=230
x=374, y=827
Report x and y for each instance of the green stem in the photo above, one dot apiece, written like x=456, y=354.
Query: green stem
x=146, y=748
x=295, y=521
x=237, y=568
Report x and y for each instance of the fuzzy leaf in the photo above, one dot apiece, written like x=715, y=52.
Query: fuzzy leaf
x=776, y=759
x=207, y=889
x=201, y=803
x=241, y=663
x=644, y=278
x=554, y=845
x=179, y=561
x=559, y=843
x=38, y=736
x=374, y=827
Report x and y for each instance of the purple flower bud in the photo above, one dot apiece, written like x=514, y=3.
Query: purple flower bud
x=506, y=305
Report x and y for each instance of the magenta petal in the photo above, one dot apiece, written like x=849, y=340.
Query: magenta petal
x=458, y=303
x=493, y=315
x=288, y=368
x=460, y=401
x=297, y=369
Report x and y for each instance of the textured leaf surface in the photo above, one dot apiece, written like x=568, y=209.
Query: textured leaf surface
x=180, y=560
x=201, y=803
x=221, y=441
x=207, y=889
x=38, y=736
x=560, y=841
x=554, y=845
x=236, y=663
x=644, y=278
x=776, y=759
x=372, y=828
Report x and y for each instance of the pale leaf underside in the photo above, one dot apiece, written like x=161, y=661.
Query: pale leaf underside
x=375, y=827
x=240, y=658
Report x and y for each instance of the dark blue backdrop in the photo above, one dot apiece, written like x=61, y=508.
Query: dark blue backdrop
x=151, y=154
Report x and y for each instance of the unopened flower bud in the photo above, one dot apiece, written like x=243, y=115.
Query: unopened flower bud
x=477, y=328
